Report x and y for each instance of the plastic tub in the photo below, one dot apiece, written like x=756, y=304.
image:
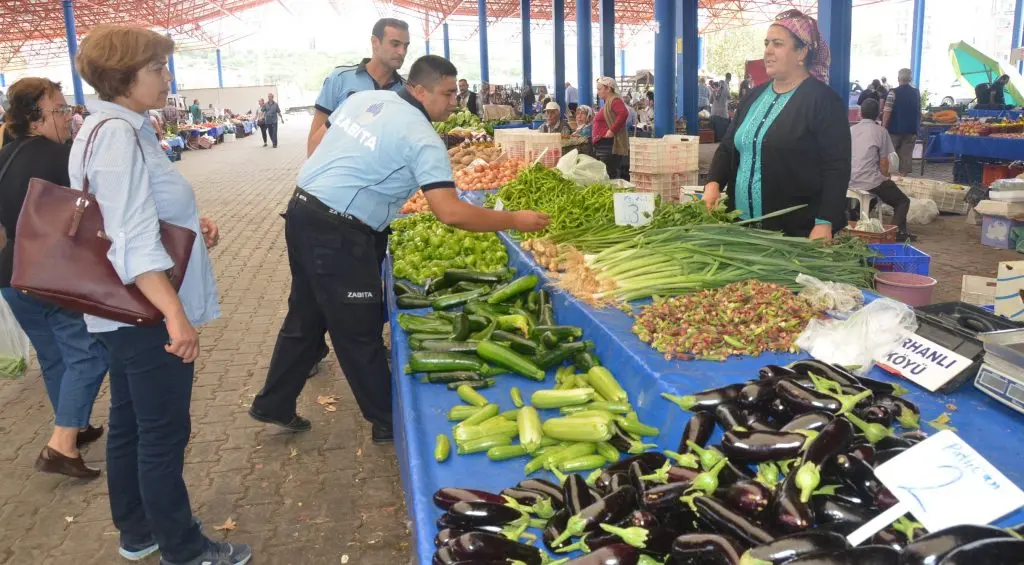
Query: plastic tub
x=909, y=288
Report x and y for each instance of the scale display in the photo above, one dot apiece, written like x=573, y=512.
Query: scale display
x=1007, y=390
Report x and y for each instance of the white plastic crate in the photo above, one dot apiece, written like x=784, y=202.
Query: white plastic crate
x=512, y=142
x=667, y=185
x=980, y=291
x=545, y=146
x=946, y=196
x=669, y=154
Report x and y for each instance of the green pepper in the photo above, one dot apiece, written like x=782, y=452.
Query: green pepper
x=513, y=289
x=530, y=318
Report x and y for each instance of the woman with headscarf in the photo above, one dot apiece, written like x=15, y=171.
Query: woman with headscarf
x=584, y=121
x=789, y=141
x=609, y=134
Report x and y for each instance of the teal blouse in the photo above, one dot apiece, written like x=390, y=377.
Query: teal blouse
x=748, y=140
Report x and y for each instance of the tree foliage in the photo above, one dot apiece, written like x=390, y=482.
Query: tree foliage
x=728, y=51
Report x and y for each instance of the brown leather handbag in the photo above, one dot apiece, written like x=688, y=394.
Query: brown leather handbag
x=60, y=252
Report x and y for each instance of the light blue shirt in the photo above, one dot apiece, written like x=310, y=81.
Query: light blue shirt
x=572, y=96
x=379, y=148
x=134, y=190
x=346, y=81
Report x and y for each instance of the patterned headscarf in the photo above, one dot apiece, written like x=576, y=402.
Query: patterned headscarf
x=805, y=28
x=588, y=110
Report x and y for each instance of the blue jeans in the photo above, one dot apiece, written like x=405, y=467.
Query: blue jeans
x=72, y=361
x=150, y=394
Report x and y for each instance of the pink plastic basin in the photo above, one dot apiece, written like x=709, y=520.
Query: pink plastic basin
x=909, y=288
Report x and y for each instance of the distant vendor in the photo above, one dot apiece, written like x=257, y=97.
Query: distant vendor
x=373, y=154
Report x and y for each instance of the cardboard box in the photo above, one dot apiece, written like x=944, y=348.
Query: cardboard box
x=1009, y=288
x=1013, y=210
x=997, y=231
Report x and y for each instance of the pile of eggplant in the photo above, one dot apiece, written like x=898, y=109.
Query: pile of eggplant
x=791, y=477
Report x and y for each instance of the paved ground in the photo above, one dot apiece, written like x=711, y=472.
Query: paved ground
x=326, y=497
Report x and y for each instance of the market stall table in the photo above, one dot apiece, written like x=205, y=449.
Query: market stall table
x=420, y=410
x=1008, y=149
x=1005, y=114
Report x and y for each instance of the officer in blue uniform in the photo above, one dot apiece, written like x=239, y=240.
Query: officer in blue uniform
x=374, y=152
x=389, y=44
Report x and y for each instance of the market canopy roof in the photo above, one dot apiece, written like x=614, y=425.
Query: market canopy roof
x=976, y=68
x=32, y=31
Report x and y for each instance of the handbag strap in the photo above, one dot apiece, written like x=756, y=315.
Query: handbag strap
x=81, y=203
x=14, y=154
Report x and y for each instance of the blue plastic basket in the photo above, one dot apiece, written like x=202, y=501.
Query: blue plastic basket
x=900, y=258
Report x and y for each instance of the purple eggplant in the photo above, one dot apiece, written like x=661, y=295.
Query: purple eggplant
x=882, y=387
x=865, y=452
x=774, y=371
x=590, y=542
x=554, y=528
x=705, y=401
x=525, y=497
x=611, y=508
x=551, y=490
x=447, y=534
x=729, y=416
x=705, y=549
x=864, y=555
x=661, y=540
x=748, y=497
x=825, y=370
x=839, y=516
x=876, y=414
x=932, y=548
x=789, y=513
x=698, y=430
x=800, y=400
x=661, y=498
x=861, y=476
x=778, y=411
x=895, y=442
x=987, y=552
x=720, y=518
x=760, y=446
x=890, y=537
x=444, y=498
x=445, y=521
x=650, y=460
x=474, y=546
x=848, y=495
x=639, y=519
x=757, y=394
x=812, y=421
x=786, y=548
x=606, y=482
x=478, y=514
x=615, y=554
x=832, y=440
x=906, y=412
x=577, y=493
x=915, y=436
x=756, y=420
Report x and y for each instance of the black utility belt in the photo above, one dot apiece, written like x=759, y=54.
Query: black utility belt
x=314, y=203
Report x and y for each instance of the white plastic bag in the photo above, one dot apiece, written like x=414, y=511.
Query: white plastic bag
x=828, y=296
x=13, y=345
x=922, y=211
x=582, y=169
x=872, y=225
x=858, y=341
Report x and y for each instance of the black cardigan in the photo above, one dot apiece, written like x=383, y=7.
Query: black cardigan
x=805, y=159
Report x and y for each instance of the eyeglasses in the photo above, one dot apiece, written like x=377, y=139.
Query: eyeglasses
x=63, y=110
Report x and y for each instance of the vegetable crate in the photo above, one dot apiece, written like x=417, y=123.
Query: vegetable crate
x=980, y=291
x=669, y=154
x=948, y=197
x=512, y=142
x=887, y=236
x=900, y=258
x=666, y=185
x=544, y=146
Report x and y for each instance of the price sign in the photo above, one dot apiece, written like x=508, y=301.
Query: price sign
x=923, y=362
x=499, y=206
x=633, y=208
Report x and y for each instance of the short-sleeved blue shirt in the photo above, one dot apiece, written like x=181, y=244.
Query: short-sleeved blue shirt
x=380, y=147
x=346, y=81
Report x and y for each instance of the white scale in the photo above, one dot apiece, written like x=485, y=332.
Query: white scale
x=1002, y=372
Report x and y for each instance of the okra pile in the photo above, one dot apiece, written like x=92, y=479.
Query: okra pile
x=791, y=477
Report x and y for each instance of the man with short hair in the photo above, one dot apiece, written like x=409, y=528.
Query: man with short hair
x=389, y=44
x=871, y=148
x=372, y=155
x=572, y=98
x=902, y=117
x=997, y=92
x=271, y=113
x=467, y=99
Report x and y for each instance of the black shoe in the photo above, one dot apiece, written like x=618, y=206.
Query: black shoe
x=905, y=236
x=219, y=553
x=382, y=434
x=295, y=424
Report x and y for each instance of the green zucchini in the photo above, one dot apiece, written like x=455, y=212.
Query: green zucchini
x=513, y=289
x=458, y=299
x=473, y=384
x=546, y=317
x=486, y=332
x=432, y=286
x=517, y=343
x=467, y=286
x=405, y=287
x=444, y=346
x=412, y=324
x=446, y=377
x=526, y=314
x=411, y=301
x=563, y=333
x=585, y=360
x=478, y=323
x=432, y=362
x=549, y=340
x=533, y=301
x=560, y=354
x=465, y=275
x=505, y=357
x=460, y=327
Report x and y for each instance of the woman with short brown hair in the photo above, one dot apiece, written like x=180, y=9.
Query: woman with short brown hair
x=151, y=368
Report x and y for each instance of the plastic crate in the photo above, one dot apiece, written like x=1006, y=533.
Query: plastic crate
x=512, y=142
x=666, y=185
x=946, y=196
x=669, y=154
x=900, y=258
x=544, y=146
x=980, y=291
x=887, y=236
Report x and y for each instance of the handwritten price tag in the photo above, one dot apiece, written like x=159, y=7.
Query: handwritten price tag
x=633, y=208
x=934, y=480
x=499, y=206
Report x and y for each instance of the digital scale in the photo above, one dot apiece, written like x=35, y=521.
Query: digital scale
x=1001, y=375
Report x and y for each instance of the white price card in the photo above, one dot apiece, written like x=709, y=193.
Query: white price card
x=633, y=208
x=923, y=362
x=944, y=482
x=499, y=206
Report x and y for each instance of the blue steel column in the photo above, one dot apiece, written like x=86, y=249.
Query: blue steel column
x=447, y=45
x=1018, y=31
x=220, y=71
x=835, y=18
x=664, y=67
x=917, y=42
x=524, y=16
x=700, y=51
x=677, y=25
x=622, y=64
x=481, y=13
x=170, y=67
x=558, y=18
x=3, y=81
x=427, y=45
x=606, y=19
x=689, y=74
x=584, y=52
x=72, y=37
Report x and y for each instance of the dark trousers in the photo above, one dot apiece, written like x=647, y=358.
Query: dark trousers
x=336, y=287
x=272, y=130
x=612, y=162
x=572, y=108
x=150, y=393
x=891, y=194
x=263, y=132
x=720, y=126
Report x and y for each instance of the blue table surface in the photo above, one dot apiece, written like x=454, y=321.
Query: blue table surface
x=977, y=146
x=421, y=409
x=1008, y=114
